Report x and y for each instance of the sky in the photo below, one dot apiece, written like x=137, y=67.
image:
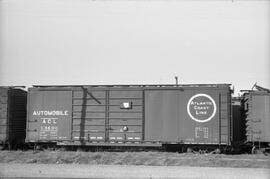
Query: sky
x=71, y=42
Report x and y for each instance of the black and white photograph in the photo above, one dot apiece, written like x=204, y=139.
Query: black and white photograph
x=135, y=89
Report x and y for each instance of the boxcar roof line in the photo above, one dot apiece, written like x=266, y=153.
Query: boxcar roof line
x=137, y=85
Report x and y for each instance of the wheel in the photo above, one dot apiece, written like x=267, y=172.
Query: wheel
x=189, y=150
x=253, y=150
x=38, y=147
x=217, y=151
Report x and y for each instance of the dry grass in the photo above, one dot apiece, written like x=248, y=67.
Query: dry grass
x=136, y=158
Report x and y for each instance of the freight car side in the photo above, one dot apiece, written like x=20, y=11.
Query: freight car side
x=135, y=115
x=86, y=116
x=195, y=117
x=256, y=105
x=12, y=116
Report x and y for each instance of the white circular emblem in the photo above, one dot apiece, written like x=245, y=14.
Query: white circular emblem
x=201, y=108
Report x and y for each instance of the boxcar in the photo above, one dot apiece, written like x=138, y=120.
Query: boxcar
x=12, y=116
x=130, y=115
x=256, y=105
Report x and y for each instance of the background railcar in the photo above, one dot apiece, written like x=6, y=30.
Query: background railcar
x=130, y=115
x=12, y=116
x=256, y=116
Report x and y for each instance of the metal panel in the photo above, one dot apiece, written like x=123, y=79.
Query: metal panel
x=125, y=122
x=125, y=94
x=49, y=115
x=118, y=102
x=89, y=128
x=161, y=115
x=224, y=122
x=89, y=108
x=90, y=122
x=119, y=128
x=200, y=118
x=258, y=117
x=3, y=115
x=3, y=122
x=89, y=101
x=89, y=136
x=89, y=115
x=4, y=130
x=190, y=116
x=90, y=95
x=125, y=115
x=133, y=109
x=132, y=137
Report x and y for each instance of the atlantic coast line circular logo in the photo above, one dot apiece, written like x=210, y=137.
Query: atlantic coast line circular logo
x=201, y=108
